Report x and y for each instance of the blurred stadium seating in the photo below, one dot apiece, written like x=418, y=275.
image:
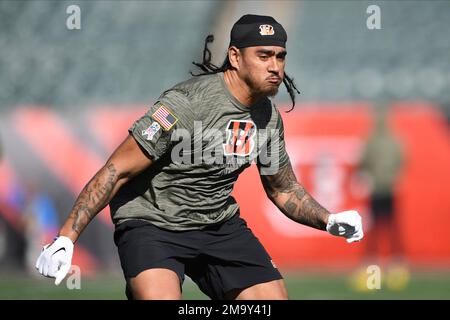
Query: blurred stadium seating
x=129, y=51
x=336, y=58
x=126, y=51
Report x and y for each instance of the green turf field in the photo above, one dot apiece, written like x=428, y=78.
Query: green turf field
x=430, y=285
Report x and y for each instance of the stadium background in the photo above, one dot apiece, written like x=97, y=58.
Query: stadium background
x=67, y=98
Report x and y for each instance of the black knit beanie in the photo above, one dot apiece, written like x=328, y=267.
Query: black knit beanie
x=253, y=30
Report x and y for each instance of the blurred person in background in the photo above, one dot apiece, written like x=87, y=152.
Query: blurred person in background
x=28, y=220
x=41, y=221
x=380, y=165
x=173, y=217
x=12, y=233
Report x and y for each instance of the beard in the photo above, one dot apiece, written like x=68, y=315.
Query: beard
x=272, y=91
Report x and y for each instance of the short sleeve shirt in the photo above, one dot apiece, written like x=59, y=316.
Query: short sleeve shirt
x=200, y=138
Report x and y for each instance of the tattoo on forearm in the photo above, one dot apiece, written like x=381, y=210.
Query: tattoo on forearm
x=294, y=200
x=94, y=197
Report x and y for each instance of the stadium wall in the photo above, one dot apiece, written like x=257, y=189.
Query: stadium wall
x=60, y=151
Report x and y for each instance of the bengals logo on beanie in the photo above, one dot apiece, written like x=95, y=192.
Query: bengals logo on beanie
x=266, y=30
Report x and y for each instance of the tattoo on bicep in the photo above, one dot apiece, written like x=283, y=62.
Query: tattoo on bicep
x=93, y=197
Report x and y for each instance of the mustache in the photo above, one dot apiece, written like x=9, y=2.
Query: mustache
x=274, y=76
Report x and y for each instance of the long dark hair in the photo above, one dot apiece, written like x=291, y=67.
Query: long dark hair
x=209, y=68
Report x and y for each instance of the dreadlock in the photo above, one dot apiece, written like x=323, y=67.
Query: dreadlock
x=209, y=68
x=206, y=65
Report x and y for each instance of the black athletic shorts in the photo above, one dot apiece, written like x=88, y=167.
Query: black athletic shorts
x=218, y=259
x=382, y=206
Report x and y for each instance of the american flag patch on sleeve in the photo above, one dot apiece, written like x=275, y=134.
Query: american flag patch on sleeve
x=164, y=117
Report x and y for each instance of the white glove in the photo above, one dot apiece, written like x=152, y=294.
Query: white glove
x=346, y=224
x=55, y=259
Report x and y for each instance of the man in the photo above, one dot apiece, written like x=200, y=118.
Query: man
x=171, y=200
x=382, y=173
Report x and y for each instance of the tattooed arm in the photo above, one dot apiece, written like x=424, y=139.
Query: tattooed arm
x=293, y=200
x=127, y=161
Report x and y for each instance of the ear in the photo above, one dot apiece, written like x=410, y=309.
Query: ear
x=234, y=55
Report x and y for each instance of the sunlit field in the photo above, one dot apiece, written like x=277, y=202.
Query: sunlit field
x=301, y=286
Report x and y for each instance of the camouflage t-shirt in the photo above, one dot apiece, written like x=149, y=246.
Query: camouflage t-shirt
x=200, y=138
